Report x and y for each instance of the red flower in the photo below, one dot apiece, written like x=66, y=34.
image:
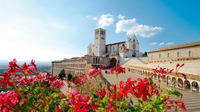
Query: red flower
x=5, y=80
x=111, y=107
x=117, y=69
x=79, y=81
x=58, y=110
x=13, y=67
x=81, y=102
x=101, y=66
x=143, y=89
x=182, y=65
x=177, y=65
x=161, y=72
x=128, y=87
x=101, y=93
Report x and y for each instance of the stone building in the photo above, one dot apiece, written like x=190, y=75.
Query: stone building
x=100, y=48
x=73, y=65
x=99, y=54
x=168, y=57
x=78, y=65
x=188, y=51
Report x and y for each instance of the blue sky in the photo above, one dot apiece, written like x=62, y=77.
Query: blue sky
x=55, y=29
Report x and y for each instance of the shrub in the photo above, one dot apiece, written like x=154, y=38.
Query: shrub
x=41, y=92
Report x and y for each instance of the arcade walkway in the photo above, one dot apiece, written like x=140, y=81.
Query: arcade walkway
x=191, y=99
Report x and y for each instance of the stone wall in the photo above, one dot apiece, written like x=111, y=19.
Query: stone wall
x=73, y=66
x=172, y=55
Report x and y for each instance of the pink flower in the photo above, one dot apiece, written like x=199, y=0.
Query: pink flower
x=9, y=100
x=95, y=72
x=57, y=84
x=81, y=102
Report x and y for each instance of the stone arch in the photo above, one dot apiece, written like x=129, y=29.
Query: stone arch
x=149, y=74
x=113, y=62
x=180, y=83
x=146, y=73
x=195, y=86
x=187, y=84
x=169, y=80
x=173, y=81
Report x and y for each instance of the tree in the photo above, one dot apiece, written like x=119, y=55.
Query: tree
x=69, y=77
x=145, y=54
x=62, y=74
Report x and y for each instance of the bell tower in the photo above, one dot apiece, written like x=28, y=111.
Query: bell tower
x=135, y=45
x=99, y=42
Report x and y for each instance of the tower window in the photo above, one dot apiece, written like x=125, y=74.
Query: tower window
x=97, y=32
x=106, y=49
x=102, y=33
x=190, y=53
x=178, y=54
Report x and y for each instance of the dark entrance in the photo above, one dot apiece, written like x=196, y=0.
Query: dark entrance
x=187, y=84
x=113, y=62
x=195, y=86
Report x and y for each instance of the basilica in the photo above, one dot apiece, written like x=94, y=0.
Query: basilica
x=100, y=53
x=109, y=54
x=125, y=49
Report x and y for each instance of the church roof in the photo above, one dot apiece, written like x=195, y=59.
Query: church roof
x=116, y=43
x=192, y=44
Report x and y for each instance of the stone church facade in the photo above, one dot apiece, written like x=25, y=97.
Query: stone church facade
x=101, y=49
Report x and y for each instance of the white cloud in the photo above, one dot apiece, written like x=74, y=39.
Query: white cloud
x=121, y=16
x=94, y=18
x=162, y=43
x=154, y=43
x=169, y=43
x=106, y=20
x=30, y=38
x=130, y=26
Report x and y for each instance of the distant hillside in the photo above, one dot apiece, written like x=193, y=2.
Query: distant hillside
x=43, y=66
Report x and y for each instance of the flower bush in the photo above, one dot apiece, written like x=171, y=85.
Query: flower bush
x=31, y=91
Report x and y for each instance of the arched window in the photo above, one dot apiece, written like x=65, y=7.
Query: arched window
x=195, y=86
x=180, y=83
x=187, y=84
